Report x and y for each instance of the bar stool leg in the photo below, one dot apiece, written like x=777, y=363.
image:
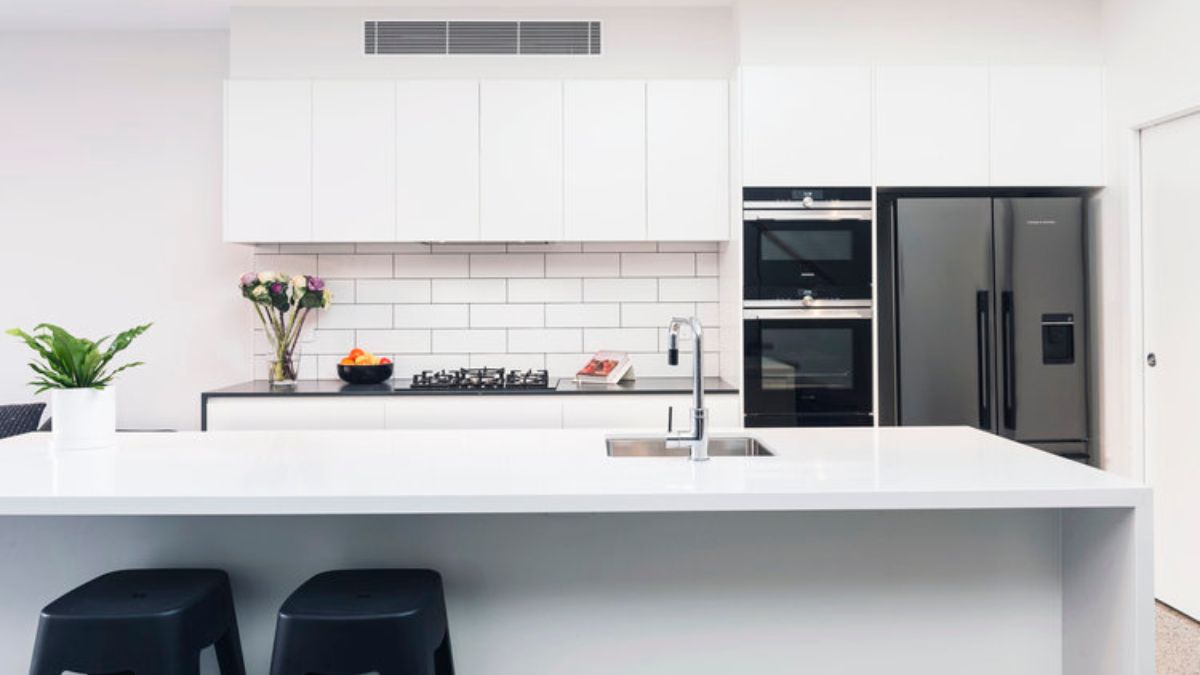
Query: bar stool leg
x=229, y=653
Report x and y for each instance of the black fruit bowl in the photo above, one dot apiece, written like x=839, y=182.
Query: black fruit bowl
x=365, y=374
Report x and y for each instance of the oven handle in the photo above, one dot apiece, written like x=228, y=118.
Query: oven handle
x=752, y=314
x=785, y=215
x=983, y=356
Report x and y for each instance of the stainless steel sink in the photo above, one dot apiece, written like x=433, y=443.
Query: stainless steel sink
x=719, y=446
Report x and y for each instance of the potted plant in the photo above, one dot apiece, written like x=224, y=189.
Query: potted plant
x=283, y=305
x=79, y=374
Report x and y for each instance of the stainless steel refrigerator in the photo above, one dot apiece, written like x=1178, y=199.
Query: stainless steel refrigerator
x=987, y=319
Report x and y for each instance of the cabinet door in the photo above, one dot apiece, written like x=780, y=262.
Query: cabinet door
x=269, y=413
x=474, y=412
x=354, y=160
x=931, y=126
x=687, y=159
x=268, y=160
x=1047, y=126
x=806, y=127
x=437, y=146
x=604, y=170
x=521, y=160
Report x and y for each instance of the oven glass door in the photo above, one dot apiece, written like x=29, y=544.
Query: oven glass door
x=797, y=366
x=787, y=258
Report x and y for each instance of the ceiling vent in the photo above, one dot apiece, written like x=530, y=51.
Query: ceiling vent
x=446, y=38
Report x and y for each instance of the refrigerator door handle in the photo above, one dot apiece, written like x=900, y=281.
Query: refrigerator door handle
x=1008, y=358
x=983, y=351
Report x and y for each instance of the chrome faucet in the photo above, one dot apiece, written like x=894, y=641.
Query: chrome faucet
x=695, y=438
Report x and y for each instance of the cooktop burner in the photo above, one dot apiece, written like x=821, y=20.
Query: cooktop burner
x=482, y=379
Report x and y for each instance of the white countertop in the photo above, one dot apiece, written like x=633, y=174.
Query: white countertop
x=540, y=471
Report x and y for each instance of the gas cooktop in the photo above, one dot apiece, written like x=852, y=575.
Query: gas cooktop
x=481, y=379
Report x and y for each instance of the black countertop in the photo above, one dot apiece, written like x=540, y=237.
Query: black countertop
x=643, y=385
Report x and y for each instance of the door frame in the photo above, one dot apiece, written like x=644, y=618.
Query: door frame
x=1137, y=290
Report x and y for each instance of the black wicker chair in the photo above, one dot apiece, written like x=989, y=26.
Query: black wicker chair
x=20, y=419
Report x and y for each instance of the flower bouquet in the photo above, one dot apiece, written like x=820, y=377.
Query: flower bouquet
x=283, y=304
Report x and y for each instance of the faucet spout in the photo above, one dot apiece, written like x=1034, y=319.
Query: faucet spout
x=696, y=437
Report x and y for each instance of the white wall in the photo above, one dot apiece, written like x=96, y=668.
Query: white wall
x=926, y=32
x=328, y=43
x=1152, y=59
x=110, y=208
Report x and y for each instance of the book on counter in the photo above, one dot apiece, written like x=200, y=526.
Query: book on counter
x=606, y=367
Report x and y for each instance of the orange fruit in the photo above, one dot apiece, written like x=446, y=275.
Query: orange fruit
x=347, y=361
x=355, y=353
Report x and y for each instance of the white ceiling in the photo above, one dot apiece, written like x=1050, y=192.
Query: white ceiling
x=214, y=14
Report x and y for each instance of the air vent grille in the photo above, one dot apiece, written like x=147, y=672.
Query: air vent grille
x=554, y=38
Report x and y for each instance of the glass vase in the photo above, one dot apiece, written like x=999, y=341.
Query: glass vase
x=282, y=371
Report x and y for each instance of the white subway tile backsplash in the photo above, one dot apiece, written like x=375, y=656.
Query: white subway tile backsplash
x=432, y=316
x=431, y=265
x=655, y=365
x=534, y=340
x=508, y=316
x=545, y=290
x=469, y=341
x=658, y=264
x=621, y=339
x=469, y=290
x=594, y=314
x=526, y=305
x=354, y=266
x=583, y=264
x=508, y=265
x=355, y=316
x=686, y=246
x=391, y=291
x=287, y=264
x=620, y=290
x=392, y=247
x=654, y=314
x=689, y=289
x=712, y=340
x=394, y=341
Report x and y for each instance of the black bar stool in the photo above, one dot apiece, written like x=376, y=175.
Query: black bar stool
x=392, y=622
x=144, y=622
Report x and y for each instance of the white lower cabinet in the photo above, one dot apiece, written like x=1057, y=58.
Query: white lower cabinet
x=522, y=411
x=645, y=411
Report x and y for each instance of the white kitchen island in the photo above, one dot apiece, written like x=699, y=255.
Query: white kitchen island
x=853, y=551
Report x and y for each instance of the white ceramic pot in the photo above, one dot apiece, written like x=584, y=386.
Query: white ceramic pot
x=83, y=419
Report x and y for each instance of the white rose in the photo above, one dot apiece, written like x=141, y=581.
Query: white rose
x=266, y=277
x=299, y=286
x=259, y=292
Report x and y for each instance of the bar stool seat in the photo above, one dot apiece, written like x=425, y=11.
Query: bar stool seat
x=346, y=622
x=144, y=622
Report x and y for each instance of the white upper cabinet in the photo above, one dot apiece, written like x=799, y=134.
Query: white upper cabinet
x=521, y=160
x=687, y=159
x=354, y=160
x=437, y=146
x=604, y=170
x=268, y=161
x=806, y=126
x=931, y=126
x=1047, y=126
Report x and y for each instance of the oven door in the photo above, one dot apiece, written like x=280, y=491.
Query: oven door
x=790, y=254
x=808, y=367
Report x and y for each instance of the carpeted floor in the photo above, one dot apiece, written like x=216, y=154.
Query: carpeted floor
x=1178, y=643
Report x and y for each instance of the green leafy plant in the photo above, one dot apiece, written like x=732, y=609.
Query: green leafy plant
x=69, y=362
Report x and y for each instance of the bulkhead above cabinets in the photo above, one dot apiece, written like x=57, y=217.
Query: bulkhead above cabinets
x=469, y=160
x=923, y=126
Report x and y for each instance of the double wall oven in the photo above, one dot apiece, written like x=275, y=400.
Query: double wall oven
x=807, y=307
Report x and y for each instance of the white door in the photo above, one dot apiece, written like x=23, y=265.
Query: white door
x=521, y=160
x=1047, y=126
x=268, y=160
x=437, y=160
x=1170, y=239
x=806, y=126
x=604, y=168
x=931, y=126
x=354, y=160
x=687, y=159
